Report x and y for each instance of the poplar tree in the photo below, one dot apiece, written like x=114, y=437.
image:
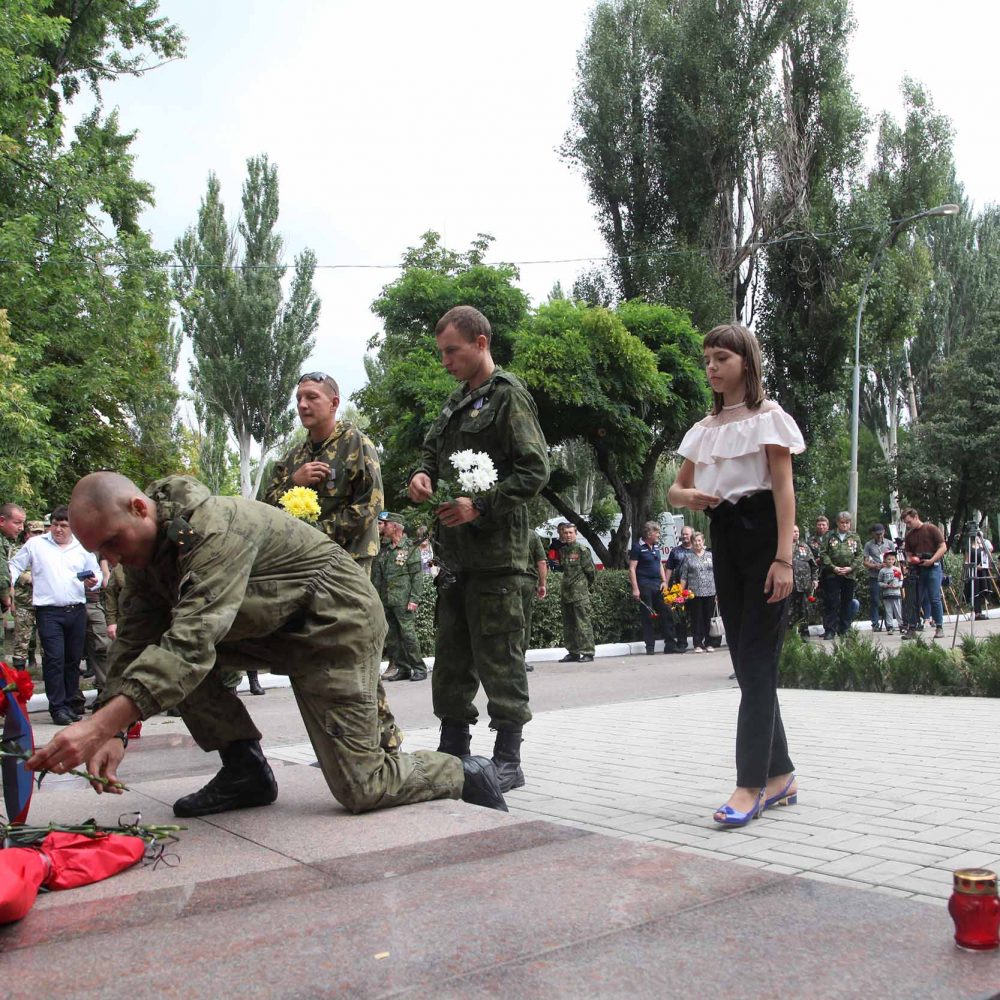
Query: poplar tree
x=249, y=342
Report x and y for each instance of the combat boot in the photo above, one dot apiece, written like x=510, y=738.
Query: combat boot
x=19, y=663
x=455, y=738
x=395, y=673
x=418, y=675
x=482, y=786
x=245, y=780
x=507, y=757
x=255, y=687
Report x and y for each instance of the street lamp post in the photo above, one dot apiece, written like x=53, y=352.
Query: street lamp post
x=898, y=226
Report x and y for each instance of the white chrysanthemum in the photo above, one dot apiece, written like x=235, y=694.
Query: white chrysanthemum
x=464, y=460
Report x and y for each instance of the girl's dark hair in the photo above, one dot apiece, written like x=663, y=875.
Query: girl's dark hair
x=738, y=339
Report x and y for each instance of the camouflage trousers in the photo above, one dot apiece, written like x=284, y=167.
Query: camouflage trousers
x=95, y=648
x=402, y=640
x=578, y=634
x=24, y=631
x=338, y=694
x=480, y=640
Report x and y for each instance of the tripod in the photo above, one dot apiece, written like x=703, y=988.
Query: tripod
x=976, y=556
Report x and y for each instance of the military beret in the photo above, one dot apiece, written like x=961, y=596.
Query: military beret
x=387, y=515
x=34, y=526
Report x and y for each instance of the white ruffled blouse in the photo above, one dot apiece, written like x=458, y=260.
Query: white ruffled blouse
x=728, y=449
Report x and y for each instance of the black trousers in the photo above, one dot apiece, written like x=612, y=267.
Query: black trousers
x=700, y=611
x=744, y=543
x=838, y=592
x=651, y=594
x=62, y=632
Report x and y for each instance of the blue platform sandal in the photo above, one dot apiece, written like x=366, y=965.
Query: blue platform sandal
x=730, y=817
x=785, y=797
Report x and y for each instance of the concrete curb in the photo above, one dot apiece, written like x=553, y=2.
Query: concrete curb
x=39, y=703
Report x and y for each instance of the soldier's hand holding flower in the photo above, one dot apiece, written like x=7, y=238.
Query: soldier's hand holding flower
x=420, y=488
x=311, y=473
x=457, y=511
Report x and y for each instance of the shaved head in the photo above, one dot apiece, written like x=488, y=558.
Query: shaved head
x=111, y=516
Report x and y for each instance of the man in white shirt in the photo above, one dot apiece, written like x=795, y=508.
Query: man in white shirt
x=59, y=566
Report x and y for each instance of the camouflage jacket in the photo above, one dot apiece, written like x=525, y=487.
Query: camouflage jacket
x=398, y=574
x=498, y=418
x=578, y=572
x=805, y=569
x=351, y=499
x=113, y=594
x=816, y=543
x=536, y=554
x=232, y=582
x=846, y=552
x=7, y=550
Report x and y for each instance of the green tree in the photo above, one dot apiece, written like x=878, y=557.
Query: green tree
x=406, y=382
x=948, y=464
x=85, y=294
x=629, y=383
x=249, y=345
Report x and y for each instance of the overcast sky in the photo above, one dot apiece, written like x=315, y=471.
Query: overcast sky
x=390, y=119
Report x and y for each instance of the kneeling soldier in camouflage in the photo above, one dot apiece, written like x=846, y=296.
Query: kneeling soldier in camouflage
x=216, y=582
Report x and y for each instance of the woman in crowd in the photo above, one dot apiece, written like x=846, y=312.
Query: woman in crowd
x=738, y=467
x=698, y=576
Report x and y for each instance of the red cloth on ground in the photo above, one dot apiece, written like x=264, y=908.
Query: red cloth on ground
x=72, y=859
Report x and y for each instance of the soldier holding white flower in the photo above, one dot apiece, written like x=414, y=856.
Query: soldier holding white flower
x=482, y=540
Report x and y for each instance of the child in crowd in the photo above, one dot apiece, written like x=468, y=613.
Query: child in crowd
x=738, y=467
x=890, y=582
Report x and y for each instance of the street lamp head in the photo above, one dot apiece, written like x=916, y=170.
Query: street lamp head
x=948, y=209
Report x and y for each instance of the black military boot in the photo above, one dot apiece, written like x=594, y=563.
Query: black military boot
x=455, y=738
x=418, y=675
x=19, y=663
x=507, y=757
x=394, y=673
x=245, y=780
x=482, y=787
x=255, y=687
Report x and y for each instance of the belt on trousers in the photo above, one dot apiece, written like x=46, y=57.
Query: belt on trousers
x=57, y=607
x=744, y=512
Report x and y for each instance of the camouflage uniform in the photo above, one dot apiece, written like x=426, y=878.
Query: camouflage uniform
x=480, y=614
x=838, y=591
x=577, y=579
x=233, y=583
x=399, y=579
x=350, y=501
x=536, y=554
x=805, y=573
x=7, y=550
x=24, y=620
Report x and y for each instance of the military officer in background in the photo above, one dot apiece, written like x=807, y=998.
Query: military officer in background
x=341, y=465
x=399, y=579
x=578, y=575
x=538, y=567
x=842, y=560
x=24, y=613
x=805, y=573
x=481, y=543
x=217, y=581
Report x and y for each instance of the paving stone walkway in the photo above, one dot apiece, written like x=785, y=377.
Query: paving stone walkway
x=896, y=791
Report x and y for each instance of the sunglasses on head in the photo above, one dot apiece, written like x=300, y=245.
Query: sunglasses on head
x=315, y=377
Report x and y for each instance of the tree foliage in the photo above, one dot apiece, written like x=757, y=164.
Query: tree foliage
x=249, y=344
x=85, y=294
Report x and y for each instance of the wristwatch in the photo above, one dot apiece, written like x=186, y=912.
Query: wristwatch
x=480, y=504
x=123, y=736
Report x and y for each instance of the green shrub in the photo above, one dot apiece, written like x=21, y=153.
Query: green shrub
x=983, y=662
x=614, y=614
x=802, y=664
x=919, y=668
x=856, y=664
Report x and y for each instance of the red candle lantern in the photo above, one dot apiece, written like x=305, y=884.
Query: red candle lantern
x=975, y=908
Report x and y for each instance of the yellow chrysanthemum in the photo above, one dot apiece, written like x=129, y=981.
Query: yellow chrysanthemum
x=301, y=502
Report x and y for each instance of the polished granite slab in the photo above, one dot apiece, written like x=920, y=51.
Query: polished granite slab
x=302, y=899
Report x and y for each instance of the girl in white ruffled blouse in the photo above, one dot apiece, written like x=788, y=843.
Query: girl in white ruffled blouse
x=738, y=467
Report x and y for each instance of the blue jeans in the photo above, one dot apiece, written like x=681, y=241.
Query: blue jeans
x=930, y=593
